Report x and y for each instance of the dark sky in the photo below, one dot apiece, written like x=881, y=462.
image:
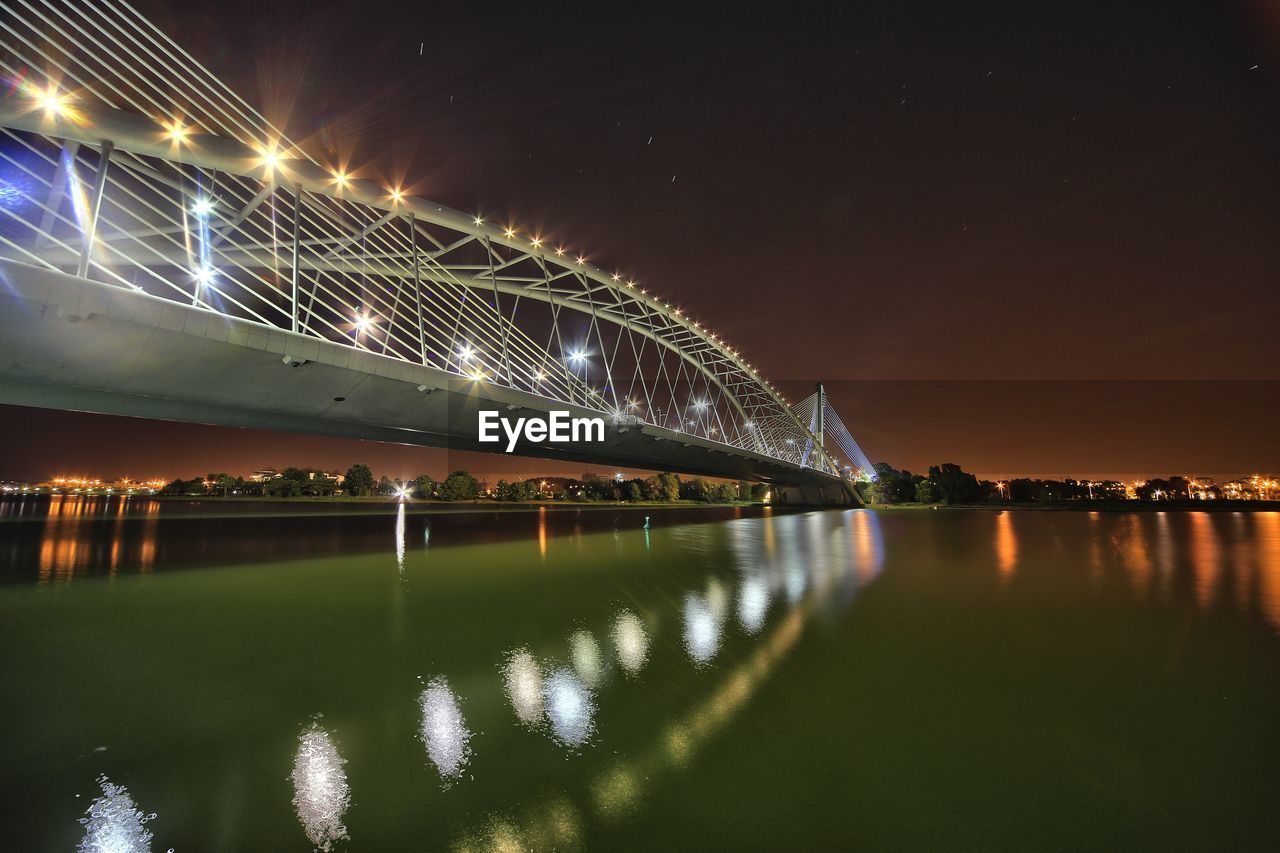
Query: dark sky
x=865, y=193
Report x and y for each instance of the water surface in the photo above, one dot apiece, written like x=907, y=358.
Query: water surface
x=268, y=679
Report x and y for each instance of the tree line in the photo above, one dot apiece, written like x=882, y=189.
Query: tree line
x=950, y=484
x=360, y=481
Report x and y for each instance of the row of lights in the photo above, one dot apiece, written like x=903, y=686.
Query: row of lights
x=536, y=242
x=56, y=104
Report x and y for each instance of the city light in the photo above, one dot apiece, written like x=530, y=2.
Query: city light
x=270, y=159
x=465, y=352
x=397, y=195
x=510, y=232
x=53, y=102
x=202, y=208
x=577, y=356
x=340, y=178
x=204, y=275
x=479, y=220
x=177, y=132
x=362, y=323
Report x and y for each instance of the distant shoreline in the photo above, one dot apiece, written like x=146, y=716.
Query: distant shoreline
x=1098, y=506
x=382, y=500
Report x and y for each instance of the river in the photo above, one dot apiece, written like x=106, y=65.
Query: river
x=247, y=676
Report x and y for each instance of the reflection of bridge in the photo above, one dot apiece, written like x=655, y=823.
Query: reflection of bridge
x=167, y=253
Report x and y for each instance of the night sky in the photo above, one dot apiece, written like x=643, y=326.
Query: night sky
x=1027, y=238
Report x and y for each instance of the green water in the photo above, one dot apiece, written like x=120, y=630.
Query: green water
x=809, y=681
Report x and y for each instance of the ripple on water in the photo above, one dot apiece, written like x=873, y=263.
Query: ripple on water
x=444, y=731
x=320, y=791
x=114, y=823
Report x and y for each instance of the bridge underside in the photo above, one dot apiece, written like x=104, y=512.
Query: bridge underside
x=70, y=343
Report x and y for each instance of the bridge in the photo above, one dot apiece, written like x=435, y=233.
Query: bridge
x=165, y=252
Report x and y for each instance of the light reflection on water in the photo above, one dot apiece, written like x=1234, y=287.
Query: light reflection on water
x=753, y=602
x=114, y=824
x=523, y=680
x=445, y=733
x=1268, y=571
x=1006, y=544
x=570, y=707
x=321, y=793
x=400, y=536
x=69, y=547
x=841, y=559
x=783, y=570
x=630, y=641
x=584, y=653
x=703, y=622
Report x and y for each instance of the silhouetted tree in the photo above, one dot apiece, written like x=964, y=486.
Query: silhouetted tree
x=890, y=486
x=459, y=486
x=663, y=487
x=424, y=486
x=927, y=492
x=695, y=490
x=954, y=485
x=359, y=480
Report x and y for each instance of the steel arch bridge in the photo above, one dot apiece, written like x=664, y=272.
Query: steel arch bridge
x=135, y=182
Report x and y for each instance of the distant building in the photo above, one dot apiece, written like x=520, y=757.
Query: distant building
x=1239, y=490
x=264, y=475
x=1203, y=489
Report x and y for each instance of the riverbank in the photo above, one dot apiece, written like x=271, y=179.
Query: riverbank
x=377, y=500
x=34, y=508
x=1098, y=506
x=465, y=506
